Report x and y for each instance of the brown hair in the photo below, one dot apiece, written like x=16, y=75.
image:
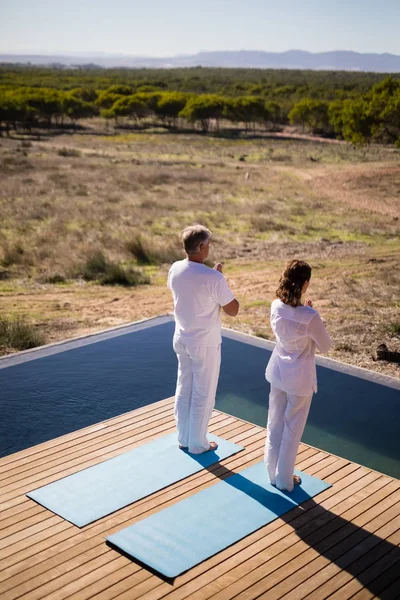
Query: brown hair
x=291, y=282
x=193, y=236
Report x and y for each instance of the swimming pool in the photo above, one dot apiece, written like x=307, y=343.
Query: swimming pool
x=57, y=389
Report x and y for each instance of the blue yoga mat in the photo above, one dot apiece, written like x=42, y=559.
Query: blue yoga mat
x=95, y=492
x=183, y=535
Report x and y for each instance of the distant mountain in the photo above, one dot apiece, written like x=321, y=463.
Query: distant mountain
x=339, y=60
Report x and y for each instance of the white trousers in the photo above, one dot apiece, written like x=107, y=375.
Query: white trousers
x=287, y=418
x=198, y=372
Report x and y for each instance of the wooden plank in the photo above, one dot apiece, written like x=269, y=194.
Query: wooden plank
x=251, y=547
x=18, y=590
x=99, y=455
x=100, y=438
x=319, y=572
x=57, y=443
x=102, y=540
x=392, y=592
x=138, y=508
x=377, y=554
x=278, y=558
x=212, y=569
x=327, y=546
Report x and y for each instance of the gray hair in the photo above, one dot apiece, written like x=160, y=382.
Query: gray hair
x=193, y=236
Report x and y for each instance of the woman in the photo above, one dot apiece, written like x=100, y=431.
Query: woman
x=291, y=371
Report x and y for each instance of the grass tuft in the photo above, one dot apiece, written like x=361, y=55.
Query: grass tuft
x=98, y=268
x=394, y=328
x=117, y=274
x=149, y=252
x=18, y=334
x=69, y=152
x=95, y=266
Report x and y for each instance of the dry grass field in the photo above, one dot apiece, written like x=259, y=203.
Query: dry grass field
x=90, y=223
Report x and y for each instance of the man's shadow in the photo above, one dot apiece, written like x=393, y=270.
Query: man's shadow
x=350, y=547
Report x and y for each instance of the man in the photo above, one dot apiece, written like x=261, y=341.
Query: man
x=198, y=292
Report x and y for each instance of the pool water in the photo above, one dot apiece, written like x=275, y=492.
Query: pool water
x=51, y=392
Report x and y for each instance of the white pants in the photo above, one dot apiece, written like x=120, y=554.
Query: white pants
x=287, y=417
x=198, y=372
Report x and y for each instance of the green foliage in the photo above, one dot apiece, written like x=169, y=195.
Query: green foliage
x=311, y=113
x=98, y=268
x=202, y=109
x=335, y=115
x=18, y=334
x=68, y=152
x=357, y=123
x=107, y=99
x=95, y=266
x=149, y=252
x=134, y=107
x=272, y=112
x=117, y=274
x=75, y=108
x=245, y=109
x=169, y=105
x=120, y=90
x=394, y=328
x=13, y=254
x=358, y=107
x=384, y=110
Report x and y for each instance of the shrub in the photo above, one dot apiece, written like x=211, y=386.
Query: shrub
x=13, y=255
x=117, y=274
x=98, y=268
x=149, y=252
x=71, y=152
x=18, y=334
x=95, y=266
x=394, y=328
x=55, y=278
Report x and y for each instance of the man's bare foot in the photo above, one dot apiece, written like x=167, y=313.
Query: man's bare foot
x=296, y=480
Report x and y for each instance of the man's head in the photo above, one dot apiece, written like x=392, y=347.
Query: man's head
x=195, y=240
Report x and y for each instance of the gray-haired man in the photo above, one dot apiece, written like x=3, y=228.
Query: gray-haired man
x=198, y=292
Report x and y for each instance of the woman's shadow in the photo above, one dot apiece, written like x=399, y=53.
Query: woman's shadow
x=352, y=548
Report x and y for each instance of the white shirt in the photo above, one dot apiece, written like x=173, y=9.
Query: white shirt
x=199, y=292
x=298, y=330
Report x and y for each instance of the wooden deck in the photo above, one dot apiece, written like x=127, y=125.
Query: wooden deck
x=342, y=544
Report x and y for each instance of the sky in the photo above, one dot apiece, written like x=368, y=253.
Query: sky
x=171, y=27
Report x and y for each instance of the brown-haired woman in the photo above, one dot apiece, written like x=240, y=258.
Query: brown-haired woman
x=291, y=371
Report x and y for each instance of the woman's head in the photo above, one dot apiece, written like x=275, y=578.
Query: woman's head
x=292, y=280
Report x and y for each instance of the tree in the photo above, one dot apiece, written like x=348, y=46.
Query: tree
x=107, y=99
x=202, y=109
x=128, y=106
x=384, y=110
x=169, y=105
x=311, y=113
x=272, y=113
x=245, y=109
x=357, y=122
x=120, y=90
x=46, y=104
x=335, y=116
x=76, y=109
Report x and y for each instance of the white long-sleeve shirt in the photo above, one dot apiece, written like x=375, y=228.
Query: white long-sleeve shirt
x=298, y=330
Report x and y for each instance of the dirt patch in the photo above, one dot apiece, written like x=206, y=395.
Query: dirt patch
x=266, y=200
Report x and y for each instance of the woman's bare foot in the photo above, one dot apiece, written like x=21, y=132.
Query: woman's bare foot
x=213, y=446
x=182, y=447
x=296, y=480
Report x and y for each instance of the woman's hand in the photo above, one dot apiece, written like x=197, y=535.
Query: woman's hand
x=308, y=302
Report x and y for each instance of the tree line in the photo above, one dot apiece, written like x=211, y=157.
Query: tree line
x=358, y=116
